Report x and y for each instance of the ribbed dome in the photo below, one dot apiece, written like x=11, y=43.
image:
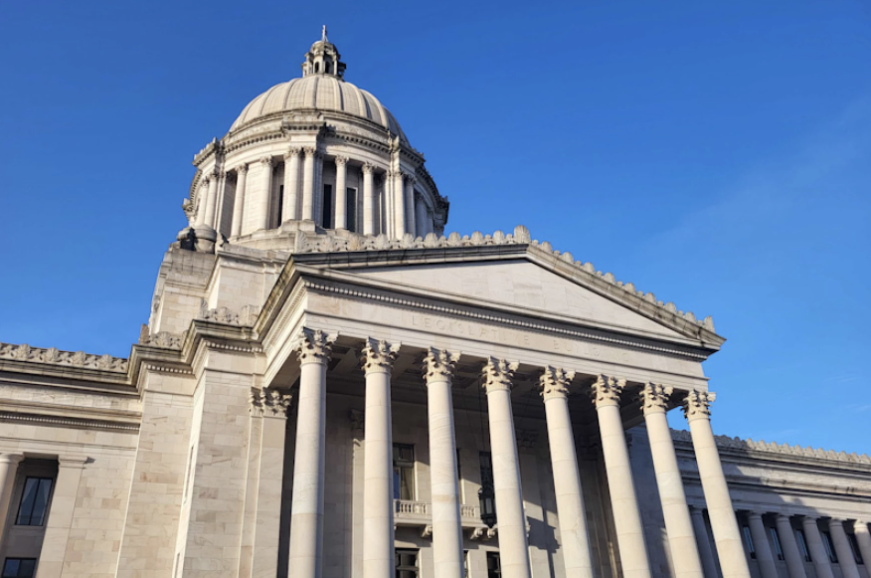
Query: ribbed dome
x=321, y=92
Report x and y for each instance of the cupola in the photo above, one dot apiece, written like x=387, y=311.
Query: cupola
x=323, y=58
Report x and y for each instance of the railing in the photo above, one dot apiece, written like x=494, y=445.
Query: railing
x=408, y=507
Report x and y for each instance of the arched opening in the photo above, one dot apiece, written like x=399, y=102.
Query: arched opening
x=327, y=67
x=317, y=67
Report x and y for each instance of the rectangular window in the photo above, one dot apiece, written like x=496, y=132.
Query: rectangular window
x=465, y=564
x=802, y=546
x=494, y=568
x=351, y=209
x=827, y=544
x=855, y=546
x=406, y=563
x=775, y=539
x=19, y=567
x=327, y=217
x=34, y=502
x=403, y=472
x=748, y=541
x=280, y=208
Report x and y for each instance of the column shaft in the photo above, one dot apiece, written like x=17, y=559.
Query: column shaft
x=730, y=547
x=263, y=222
x=706, y=552
x=863, y=540
x=211, y=201
x=786, y=535
x=447, y=528
x=624, y=501
x=513, y=547
x=239, y=200
x=399, y=205
x=420, y=219
x=290, y=202
x=843, y=549
x=368, y=200
x=764, y=557
x=308, y=185
x=820, y=558
x=8, y=469
x=566, y=475
x=341, y=208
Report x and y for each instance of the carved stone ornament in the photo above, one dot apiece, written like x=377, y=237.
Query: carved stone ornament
x=439, y=364
x=378, y=355
x=292, y=152
x=368, y=168
x=554, y=382
x=697, y=404
x=163, y=339
x=340, y=160
x=498, y=374
x=426, y=532
x=310, y=151
x=269, y=402
x=267, y=161
x=315, y=345
x=241, y=169
x=357, y=418
x=654, y=397
x=245, y=316
x=68, y=358
x=606, y=390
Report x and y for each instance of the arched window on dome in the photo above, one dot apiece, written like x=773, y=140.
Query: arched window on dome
x=317, y=67
x=327, y=67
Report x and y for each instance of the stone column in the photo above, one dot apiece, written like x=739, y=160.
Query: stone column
x=308, y=184
x=447, y=540
x=341, y=208
x=675, y=511
x=307, y=508
x=211, y=201
x=399, y=217
x=8, y=468
x=409, y=205
x=368, y=200
x=843, y=549
x=239, y=200
x=820, y=558
x=513, y=548
x=60, y=517
x=730, y=548
x=706, y=552
x=420, y=218
x=378, y=357
x=863, y=540
x=624, y=502
x=764, y=557
x=554, y=384
x=319, y=189
x=794, y=559
x=290, y=202
x=263, y=223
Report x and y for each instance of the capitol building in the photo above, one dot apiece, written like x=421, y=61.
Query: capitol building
x=330, y=387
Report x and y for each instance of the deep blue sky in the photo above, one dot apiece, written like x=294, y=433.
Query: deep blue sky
x=715, y=153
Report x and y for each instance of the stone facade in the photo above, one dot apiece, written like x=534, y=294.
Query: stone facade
x=332, y=388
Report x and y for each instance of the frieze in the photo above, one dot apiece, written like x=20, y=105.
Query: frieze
x=54, y=356
x=245, y=316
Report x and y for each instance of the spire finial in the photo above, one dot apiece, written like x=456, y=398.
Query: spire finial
x=324, y=34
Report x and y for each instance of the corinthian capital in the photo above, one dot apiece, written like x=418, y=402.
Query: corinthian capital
x=241, y=169
x=378, y=355
x=368, y=168
x=498, y=374
x=697, y=404
x=269, y=402
x=314, y=345
x=606, y=391
x=439, y=364
x=340, y=160
x=310, y=151
x=654, y=398
x=292, y=152
x=554, y=382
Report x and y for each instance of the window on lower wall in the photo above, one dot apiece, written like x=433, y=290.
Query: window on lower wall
x=34, y=502
x=827, y=544
x=327, y=216
x=406, y=563
x=775, y=539
x=748, y=541
x=351, y=209
x=494, y=567
x=802, y=545
x=19, y=567
x=403, y=472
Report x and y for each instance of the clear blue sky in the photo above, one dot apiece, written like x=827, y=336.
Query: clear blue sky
x=715, y=153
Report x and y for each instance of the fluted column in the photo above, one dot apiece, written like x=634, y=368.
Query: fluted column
x=786, y=535
x=341, y=208
x=554, y=384
x=447, y=536
x=290, y=202
x=730, y=548
x=308, y=184
x=409, y=205
x=378, y=357
x=843, y=549
x=8, y=468
x=863, y=540
x=513, y=547
x=368, y=200
x=675, y=511
x=211, y=201
x=307, y=507
x=706, y=551
x=764, y=557
x=399, y=217
x=239, y=200
x=820, y=558
x=624, y=502
x=266, y=198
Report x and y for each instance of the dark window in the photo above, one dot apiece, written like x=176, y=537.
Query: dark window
x=351, y=209
x=802, y=545
x=465, y=564
x=748, y=540
x=403, y=472
x=406, y=563
x=327, y=67
x=494, y=568
x=775, y=539
x=855, y=546
x=280, y=203
x=317, y=67
x=327, y=217
x=19, y=567
x=827, y=544
x=34, y=502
